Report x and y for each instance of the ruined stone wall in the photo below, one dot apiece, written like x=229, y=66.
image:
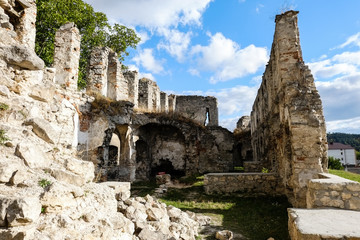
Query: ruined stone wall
x=246, y=184
x=330, y=191
x=145, y=98
x=133, y=86
x=117, y=86
x=204, y=110
x=242, y=146
x=67, y=55
x=164, y=102
x=98, y=71
x=287, y=122
x=172, y=102
x=155, y=97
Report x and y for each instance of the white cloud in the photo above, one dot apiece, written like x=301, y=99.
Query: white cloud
x=229, y=123
x=258, y=7
x=344, y=125
x=152, y=13
x=141, y=74
x=176, y=43
x=227, y=60
x=327, y=68
x=194, y=72
x=352, y=40
x=146, y=59
x=348, y=57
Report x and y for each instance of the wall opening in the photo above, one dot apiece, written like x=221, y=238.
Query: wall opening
x=166, y=166
x=114, y=150
x=207, y=117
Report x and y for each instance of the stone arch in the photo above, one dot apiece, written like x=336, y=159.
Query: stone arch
x=160, y=148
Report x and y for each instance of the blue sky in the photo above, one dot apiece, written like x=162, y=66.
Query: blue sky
x=220, y=48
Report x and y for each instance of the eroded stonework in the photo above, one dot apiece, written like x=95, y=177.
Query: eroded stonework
x=287, y=122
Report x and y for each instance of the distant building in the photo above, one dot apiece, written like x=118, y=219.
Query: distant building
x=345, y=153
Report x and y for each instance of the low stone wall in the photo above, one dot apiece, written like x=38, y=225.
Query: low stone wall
x=333, y=191
x=249, y=184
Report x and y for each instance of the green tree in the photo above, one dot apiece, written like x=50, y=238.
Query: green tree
x=357, y=155
x=93, y=26
x=334, y=163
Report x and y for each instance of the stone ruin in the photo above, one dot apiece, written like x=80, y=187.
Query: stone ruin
x=125, y=129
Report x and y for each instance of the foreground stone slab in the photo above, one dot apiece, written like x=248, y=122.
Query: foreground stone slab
x=318, y=224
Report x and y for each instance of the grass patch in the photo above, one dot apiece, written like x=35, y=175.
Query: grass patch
x=3, y=106
x=254, y=218
x=345, y=174
x=3, y=137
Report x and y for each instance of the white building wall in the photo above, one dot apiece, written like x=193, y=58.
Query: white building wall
x=346, y=156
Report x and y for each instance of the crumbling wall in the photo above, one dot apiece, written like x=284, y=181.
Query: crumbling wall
x=172, y=102
x=204, y=110
x=67, y=55
x=145, y=99
x=98, y=71
x=133, y=86
x=155, y=97
x=164, y=102
x=117, y=86
x=287, y=122
x=242, y=145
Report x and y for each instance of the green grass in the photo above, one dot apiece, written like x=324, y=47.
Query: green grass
x=345, y=174
x=254, y=218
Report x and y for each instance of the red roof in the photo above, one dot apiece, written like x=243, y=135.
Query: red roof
x=336, y=145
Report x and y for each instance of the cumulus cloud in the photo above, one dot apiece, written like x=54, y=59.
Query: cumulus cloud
x=344, y=125
x=327, y=68
x=227, y=60
x=229, y=123
x=176, y=43
x=146, y=59
x=152, y=13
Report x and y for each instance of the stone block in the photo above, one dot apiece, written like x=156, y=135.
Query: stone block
x=122, y=189
x=32, y=155
x=23, y=211
x=43, y=130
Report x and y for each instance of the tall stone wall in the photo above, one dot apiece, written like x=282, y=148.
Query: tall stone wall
x=204, y=110
x=98, y=71
x=117, y=86
x=164, y=102
x=287, y=122
x=67, y=55
x=155, y=97
x=133, y=86
x=145, y=94
x=172, y=102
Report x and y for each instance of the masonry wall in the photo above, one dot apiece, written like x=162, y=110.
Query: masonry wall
x=117, y=86
x=331, y=191
x=67, y=55
x=133, y=86
x=172, y=102
x=98, y=71
x=145, y=97
x=247, y=184
x=164, y=102
x=198, y=108
x=287, y=122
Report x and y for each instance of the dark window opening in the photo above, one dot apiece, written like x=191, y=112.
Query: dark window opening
x=207, y=119
x=167, y=167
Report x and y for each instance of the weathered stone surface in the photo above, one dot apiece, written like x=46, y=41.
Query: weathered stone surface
x=67, y=55
x=43, y=130
x=85, y=169
x=287, y=123
x=7, y=170
x=42, y=92
x=122, y=189
x=66, y=176
x=318, y=224
x=21, y=56
x=249, y=184
x=334, y=192
x=23, y=211
x=203, y=110
x=4, y=91
x=32, y=155
x=98, y=71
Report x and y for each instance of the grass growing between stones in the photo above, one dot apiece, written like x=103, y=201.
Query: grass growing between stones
x=249, y=218
x=345, y=174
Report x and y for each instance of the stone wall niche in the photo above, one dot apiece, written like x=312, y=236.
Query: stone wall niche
x=203, y=110
x=67, y=55
x=287, y=123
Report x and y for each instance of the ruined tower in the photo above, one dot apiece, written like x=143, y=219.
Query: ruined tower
x=287, y=122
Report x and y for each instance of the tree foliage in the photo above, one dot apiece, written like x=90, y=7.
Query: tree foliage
x=334, y=163
x=93, y=26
